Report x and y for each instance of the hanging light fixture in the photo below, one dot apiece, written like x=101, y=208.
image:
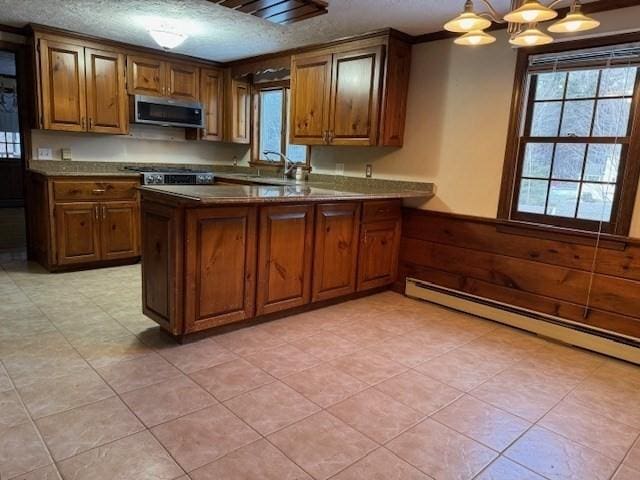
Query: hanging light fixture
x=166, y=37
x=475, y=37
x=531, y=37
x=523, y=12
x=531, y=11
x=467, y=21
x=575, y=21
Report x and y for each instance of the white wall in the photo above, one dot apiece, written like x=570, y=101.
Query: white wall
x=143, y=144
x=457, y=118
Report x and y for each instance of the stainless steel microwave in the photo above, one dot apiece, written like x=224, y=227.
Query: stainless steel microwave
x=167, y=112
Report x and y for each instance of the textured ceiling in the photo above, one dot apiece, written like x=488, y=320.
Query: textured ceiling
x=217, y=33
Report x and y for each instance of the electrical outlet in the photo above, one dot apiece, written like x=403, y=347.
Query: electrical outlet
x=368, y=170
x=339, y=168
x=45, y=153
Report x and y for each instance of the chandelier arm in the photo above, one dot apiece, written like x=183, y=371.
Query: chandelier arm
x=555, y=3
x=494, y=13
x=491, y=17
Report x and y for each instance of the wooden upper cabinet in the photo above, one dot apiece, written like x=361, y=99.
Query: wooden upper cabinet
x=107, y=105
x=62, y=81
x=354, y=93
x=77, y=227
x=182, y=81
x=146, y=76
x=212, y=99
x=284, y=257
x=335, y=256
x=310, y=95
x=156, y=77
x=119, y=230
x=355, y=97
x=239, y=98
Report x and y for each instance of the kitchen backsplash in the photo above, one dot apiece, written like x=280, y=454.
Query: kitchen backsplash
x=144, y=144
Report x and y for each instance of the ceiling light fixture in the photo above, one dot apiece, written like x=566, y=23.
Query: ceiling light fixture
x=575, y=21
x=522, y=19
x=531, y=37
x=475, y=37
x=166, y=37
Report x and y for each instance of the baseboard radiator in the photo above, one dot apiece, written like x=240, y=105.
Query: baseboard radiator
x=556, y=328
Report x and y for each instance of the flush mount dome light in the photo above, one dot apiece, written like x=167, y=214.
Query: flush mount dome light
x=166, y=37
x=531, y=12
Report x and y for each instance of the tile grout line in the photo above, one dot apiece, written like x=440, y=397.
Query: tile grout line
x=35, y=427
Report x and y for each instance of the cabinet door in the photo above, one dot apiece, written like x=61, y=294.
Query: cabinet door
x=119, y=227
x=182, y=81
x=355, y=97
x=284, y=257
x=220, y=266
x=240, y=107
x=146, y=76
x=378, y=262
x=106, y=93
x=310, y=95
x=212, y=99
x=336, y=250
x=62, y=81
x=77, y=232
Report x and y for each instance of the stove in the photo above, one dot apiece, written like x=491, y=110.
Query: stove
x=172, y=176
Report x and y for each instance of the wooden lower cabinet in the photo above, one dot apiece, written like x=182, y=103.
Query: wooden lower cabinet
x=284, y=257
x=77, y=227
x=335, y=258
x=82, y=221
x=378, y=259
x=205, y=266
x=119, y=230
x=220, y=266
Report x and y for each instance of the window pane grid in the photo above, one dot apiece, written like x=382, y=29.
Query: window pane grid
x=10, y=145
x=576, y=128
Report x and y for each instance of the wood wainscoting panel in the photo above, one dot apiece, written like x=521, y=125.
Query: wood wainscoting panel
x=550, y=276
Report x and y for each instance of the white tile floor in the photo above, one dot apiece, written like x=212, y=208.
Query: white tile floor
x=379, y=388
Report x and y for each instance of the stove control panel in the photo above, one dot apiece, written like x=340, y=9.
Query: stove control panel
x=159, y=178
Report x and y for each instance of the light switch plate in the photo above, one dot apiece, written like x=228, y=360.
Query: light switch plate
x=45, y=153
x=368, y=171
x=339, y=168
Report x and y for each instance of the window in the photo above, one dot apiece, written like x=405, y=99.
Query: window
x=271, y=126
x=573, y=151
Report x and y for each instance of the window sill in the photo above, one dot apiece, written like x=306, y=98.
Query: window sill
x=561, y=234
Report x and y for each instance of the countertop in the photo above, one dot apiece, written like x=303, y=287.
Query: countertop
x=234, y=194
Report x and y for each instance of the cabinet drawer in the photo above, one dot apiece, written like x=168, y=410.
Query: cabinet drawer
x=381, y=210
x=94, y=190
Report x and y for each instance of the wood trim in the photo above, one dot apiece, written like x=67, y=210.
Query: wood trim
x=630, y=175
x=547, y=275
x=593, y=7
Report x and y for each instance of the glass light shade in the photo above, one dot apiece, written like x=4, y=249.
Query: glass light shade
x=476, y=37
x=531, y=37
x=531, y=12
x=575, y=21
x=467, y=22
x=166, y=38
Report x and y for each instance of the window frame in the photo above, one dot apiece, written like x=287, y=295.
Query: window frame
x=258, y=88
x=520, y=118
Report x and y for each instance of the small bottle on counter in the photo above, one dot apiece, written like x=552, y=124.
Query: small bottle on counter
x=299, y=174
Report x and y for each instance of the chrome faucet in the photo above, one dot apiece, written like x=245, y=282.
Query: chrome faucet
x=289, y=166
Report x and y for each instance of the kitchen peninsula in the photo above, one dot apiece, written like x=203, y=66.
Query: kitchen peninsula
x=225, y=253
